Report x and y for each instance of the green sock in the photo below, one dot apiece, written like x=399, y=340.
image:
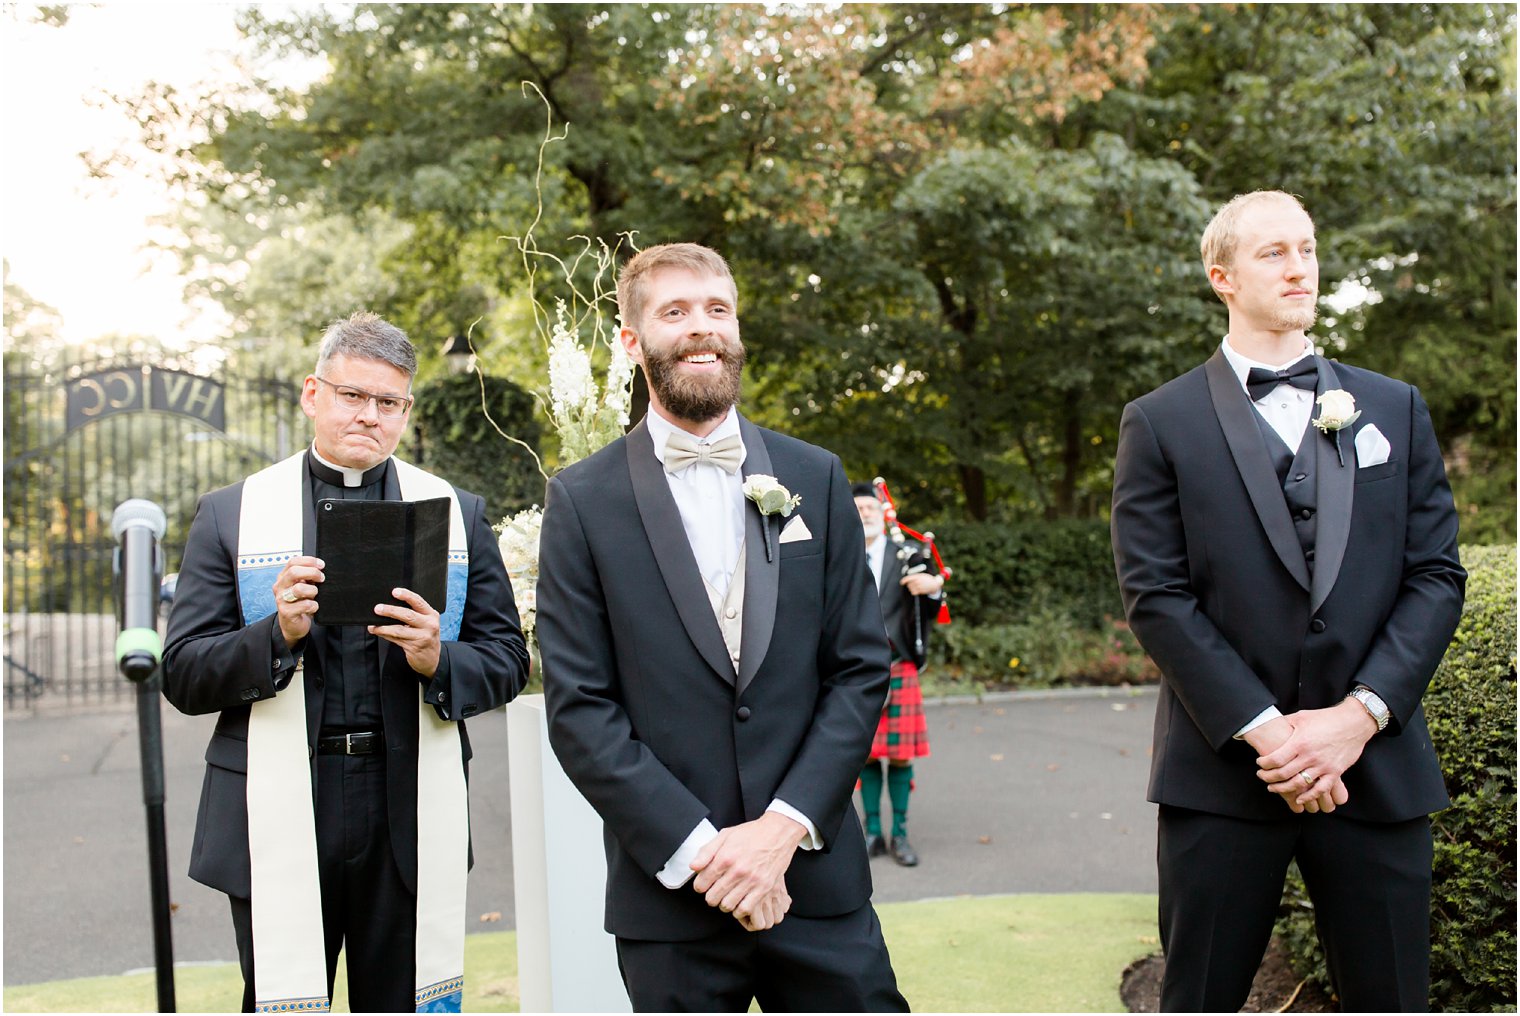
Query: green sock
x=870, y=796
x=899, y=785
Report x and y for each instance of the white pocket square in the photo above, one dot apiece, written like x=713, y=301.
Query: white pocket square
x=1372, y=447
x=795, y=530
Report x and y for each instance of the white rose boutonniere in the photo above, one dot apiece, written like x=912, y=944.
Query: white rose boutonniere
x=1337, y=410
x=772, y=498
x=769, y=495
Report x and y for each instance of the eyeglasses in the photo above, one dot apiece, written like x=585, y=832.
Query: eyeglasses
x=353, y=399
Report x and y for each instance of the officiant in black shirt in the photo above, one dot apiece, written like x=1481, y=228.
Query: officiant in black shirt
x=333, y=812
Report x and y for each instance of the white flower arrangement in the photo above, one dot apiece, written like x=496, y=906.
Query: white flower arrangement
x=519, y=552
x=584, y=415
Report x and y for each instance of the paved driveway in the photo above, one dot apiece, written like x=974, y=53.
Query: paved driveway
x=1022, y=795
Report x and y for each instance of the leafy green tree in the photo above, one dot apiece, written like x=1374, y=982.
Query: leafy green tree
x=964, y=234
x=1396, y=124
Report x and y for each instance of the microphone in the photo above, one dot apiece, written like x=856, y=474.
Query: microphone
x=137, y=563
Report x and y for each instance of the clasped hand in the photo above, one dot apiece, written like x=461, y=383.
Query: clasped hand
x=1305, y=754
x=742, y=870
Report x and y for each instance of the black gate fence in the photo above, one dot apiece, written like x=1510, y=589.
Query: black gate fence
x=84, y=432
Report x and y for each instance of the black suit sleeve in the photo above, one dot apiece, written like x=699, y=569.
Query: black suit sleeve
x=1410, y=644
x=642, y=803
x=211, y=661
x=487, y=666
x=1219, y=691
x=854, y=672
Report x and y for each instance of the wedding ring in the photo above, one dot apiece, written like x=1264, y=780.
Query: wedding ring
x=289, y=596
x=1308, y=781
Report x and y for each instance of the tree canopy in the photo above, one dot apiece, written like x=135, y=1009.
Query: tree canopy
x=964, y=235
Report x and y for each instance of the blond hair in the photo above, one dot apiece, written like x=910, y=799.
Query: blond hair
x=632, y=286
x=1221, y=237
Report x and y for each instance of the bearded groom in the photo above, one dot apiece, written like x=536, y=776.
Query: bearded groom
x=714, y=665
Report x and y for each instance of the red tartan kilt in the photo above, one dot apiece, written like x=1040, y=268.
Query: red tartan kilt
x=903, y=732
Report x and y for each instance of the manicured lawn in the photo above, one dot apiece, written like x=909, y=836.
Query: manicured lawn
x=1028, y=953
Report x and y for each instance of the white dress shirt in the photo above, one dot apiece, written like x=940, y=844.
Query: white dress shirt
x=1287, y=411
x=1285, y=408
x=876, y=552
x=711, y=503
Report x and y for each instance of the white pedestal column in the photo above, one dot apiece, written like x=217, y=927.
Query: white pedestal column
x=565, y=961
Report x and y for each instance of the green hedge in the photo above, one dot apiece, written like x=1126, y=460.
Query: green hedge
x=1034, y=604
x=1471, y=711
x=455, y=440
x=1006, y=572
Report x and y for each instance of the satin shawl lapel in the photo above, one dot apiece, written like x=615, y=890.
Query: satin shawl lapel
x=1250, y=454
x=678, y=565
x=1336, y=486
x=762, y=577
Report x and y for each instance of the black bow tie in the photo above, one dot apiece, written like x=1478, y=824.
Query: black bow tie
x=1303, y=374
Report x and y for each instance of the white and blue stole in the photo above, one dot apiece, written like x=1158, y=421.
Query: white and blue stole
x=290, y=970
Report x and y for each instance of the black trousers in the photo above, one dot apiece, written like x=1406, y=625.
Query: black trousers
x=366, y=907
x=1221, y=882
x=803, y=964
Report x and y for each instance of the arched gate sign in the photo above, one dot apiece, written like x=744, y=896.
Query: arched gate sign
x=81, y=436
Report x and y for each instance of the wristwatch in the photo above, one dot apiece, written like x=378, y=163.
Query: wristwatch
x=1375, y=706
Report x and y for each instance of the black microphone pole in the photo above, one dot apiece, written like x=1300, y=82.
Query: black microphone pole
x=138, y=525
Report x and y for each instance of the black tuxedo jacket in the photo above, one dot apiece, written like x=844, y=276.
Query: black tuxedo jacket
x=646, y=712
x=897, y=605
x=213, y=663
x=1218, y=591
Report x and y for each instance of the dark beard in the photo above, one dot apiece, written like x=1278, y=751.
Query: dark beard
x=690, y=398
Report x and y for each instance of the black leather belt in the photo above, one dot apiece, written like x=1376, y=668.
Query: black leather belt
x=363, y=742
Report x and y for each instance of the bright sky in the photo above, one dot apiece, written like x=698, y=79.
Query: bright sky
x=74, y=242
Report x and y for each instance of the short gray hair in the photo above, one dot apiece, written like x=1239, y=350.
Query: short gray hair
x=367, y=336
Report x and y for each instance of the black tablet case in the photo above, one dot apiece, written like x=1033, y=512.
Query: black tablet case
x=370, y=547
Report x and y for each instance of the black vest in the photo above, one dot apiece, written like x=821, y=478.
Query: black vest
x=1300, y=482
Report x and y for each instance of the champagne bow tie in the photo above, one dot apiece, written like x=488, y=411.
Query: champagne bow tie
x=681, y=450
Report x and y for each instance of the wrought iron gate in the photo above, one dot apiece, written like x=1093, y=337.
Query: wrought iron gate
x=83, y=434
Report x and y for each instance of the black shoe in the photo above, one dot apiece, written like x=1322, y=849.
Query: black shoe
x=903, y=852
x=875, y=845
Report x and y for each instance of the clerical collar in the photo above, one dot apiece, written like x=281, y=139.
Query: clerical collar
x=341, y=476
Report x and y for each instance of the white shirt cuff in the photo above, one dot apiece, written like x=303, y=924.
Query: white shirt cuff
x=677, y=871
x=812, y=841
x=1269, y=713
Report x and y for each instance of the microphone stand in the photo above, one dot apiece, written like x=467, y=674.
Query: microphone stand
x=138, y=563
x=151, y=745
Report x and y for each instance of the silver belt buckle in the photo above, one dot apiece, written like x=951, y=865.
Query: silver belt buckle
x=348, y=744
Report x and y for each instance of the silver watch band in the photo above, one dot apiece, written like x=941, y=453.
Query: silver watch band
x=1373, y=703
